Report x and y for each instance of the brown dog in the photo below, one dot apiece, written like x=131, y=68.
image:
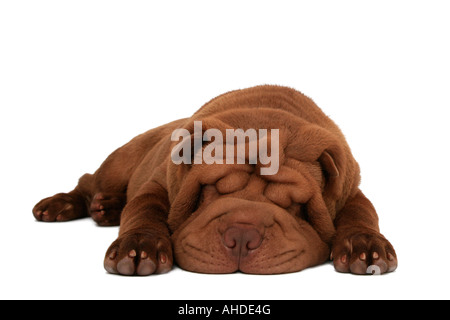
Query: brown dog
x=221, y=218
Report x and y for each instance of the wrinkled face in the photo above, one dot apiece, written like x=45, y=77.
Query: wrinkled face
x=242, y=221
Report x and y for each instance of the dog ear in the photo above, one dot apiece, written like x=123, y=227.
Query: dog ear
x=328, y=165
x=331, y=162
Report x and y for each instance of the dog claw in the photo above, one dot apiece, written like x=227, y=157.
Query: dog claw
x=132, y=253
x=113, y=254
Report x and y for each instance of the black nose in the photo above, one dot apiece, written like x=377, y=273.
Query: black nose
x=241, y=239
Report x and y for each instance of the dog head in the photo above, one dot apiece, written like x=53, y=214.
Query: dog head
x=228, y=217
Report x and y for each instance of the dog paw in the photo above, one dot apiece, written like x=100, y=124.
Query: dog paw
x=139, y=253
x=106, y=208
x=363, y=252
x=60, y=207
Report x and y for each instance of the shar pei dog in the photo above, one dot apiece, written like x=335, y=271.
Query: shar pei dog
x=258, y=180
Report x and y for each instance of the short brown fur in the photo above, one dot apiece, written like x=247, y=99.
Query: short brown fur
x=224, y=218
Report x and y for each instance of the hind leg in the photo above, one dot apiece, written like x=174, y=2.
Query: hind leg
x=66, y=206
x=60, y=207
x=85, y=200
x=103, y=194
x=106, y=208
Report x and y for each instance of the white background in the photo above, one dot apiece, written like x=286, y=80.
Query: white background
x=80, y=78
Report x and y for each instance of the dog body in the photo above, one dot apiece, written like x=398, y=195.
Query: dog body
x=227, y=216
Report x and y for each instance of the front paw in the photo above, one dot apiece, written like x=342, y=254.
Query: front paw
x=363, y=252
x=139, y=253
